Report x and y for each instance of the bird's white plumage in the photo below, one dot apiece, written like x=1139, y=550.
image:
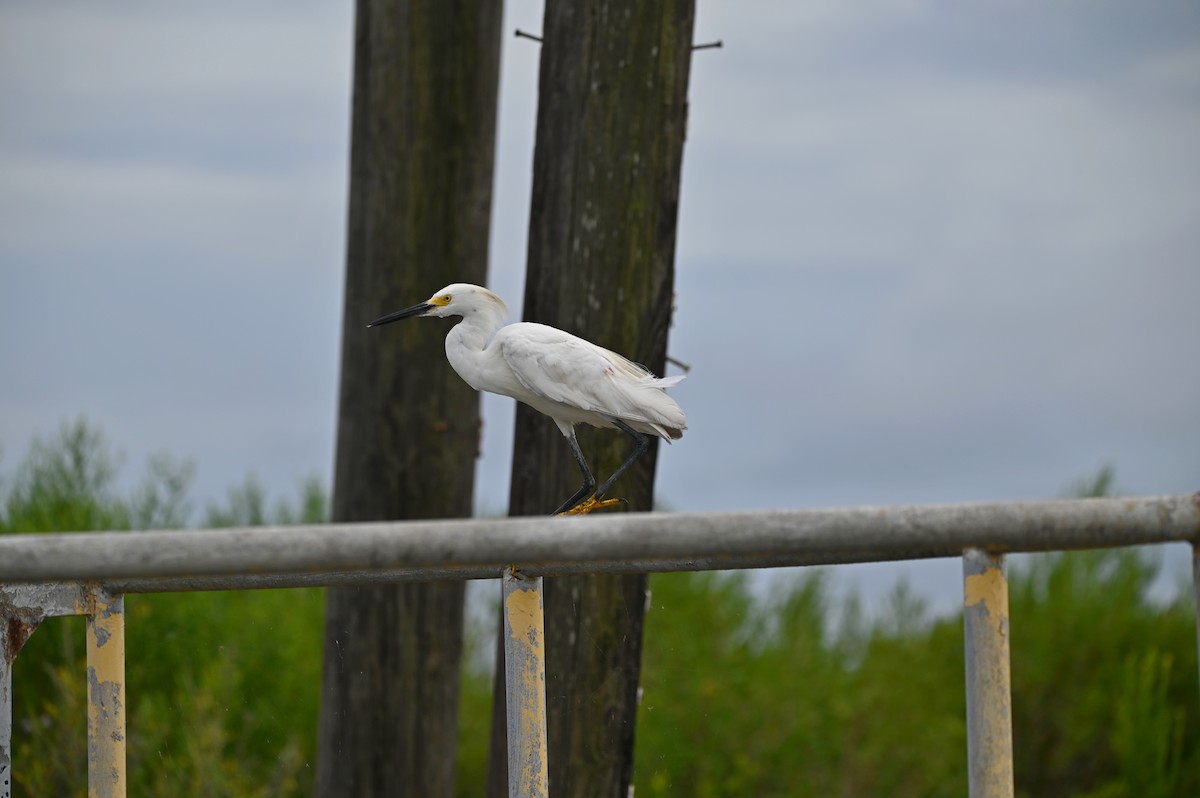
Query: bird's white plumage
x=596, y=383
x=561, y=375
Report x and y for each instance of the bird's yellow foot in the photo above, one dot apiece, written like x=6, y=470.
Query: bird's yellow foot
x=591, y=503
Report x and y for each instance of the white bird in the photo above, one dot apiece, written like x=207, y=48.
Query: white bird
x=561, y=375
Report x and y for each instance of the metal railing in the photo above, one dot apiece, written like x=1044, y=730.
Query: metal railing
x=89, y=573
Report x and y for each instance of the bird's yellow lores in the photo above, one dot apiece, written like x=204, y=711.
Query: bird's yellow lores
x=561, y=375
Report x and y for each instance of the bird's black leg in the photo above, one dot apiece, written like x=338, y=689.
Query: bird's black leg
x=643, y=443
x=589, y=481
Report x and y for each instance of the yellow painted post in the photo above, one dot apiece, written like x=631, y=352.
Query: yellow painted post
x=106, y=694
x=525, y=685
x=989, y=681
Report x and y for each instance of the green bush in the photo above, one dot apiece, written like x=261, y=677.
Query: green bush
x=746, y=697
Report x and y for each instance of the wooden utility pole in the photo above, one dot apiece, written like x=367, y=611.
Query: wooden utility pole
x=421, y=158
x=612, y=113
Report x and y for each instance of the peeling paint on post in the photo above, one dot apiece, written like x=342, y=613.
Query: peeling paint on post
x=989, y=692
x=106, y=695
x=525, y=683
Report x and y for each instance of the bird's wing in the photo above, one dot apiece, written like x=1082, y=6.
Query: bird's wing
x=561, y=367
x=553, y=364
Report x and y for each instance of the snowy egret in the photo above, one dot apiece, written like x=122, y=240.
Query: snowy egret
x=556, y=373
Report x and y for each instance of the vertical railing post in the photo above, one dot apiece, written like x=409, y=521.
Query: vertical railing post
x=6, y=707
x=525, y=685
x=1196, y=591
x=989, y=682
x=17, y=622
x=22, y=610
x=106, y=694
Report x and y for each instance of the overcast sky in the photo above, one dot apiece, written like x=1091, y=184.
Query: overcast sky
x=927, y=252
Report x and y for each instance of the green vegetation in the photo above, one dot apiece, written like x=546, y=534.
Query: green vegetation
x=792, y=693
x=743, y=697
x=223, y=687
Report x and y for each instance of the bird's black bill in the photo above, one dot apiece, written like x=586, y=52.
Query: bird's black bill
x=415, y=310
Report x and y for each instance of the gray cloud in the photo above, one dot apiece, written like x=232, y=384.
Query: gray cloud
x=925, y=253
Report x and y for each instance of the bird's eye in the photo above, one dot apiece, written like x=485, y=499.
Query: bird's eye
x=446, y=299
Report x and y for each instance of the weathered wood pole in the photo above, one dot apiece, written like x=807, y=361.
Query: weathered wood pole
x=612, y=113
x=421, y=158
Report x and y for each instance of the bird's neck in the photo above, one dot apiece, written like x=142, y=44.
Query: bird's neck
x=476, y=329
x=466, y=342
